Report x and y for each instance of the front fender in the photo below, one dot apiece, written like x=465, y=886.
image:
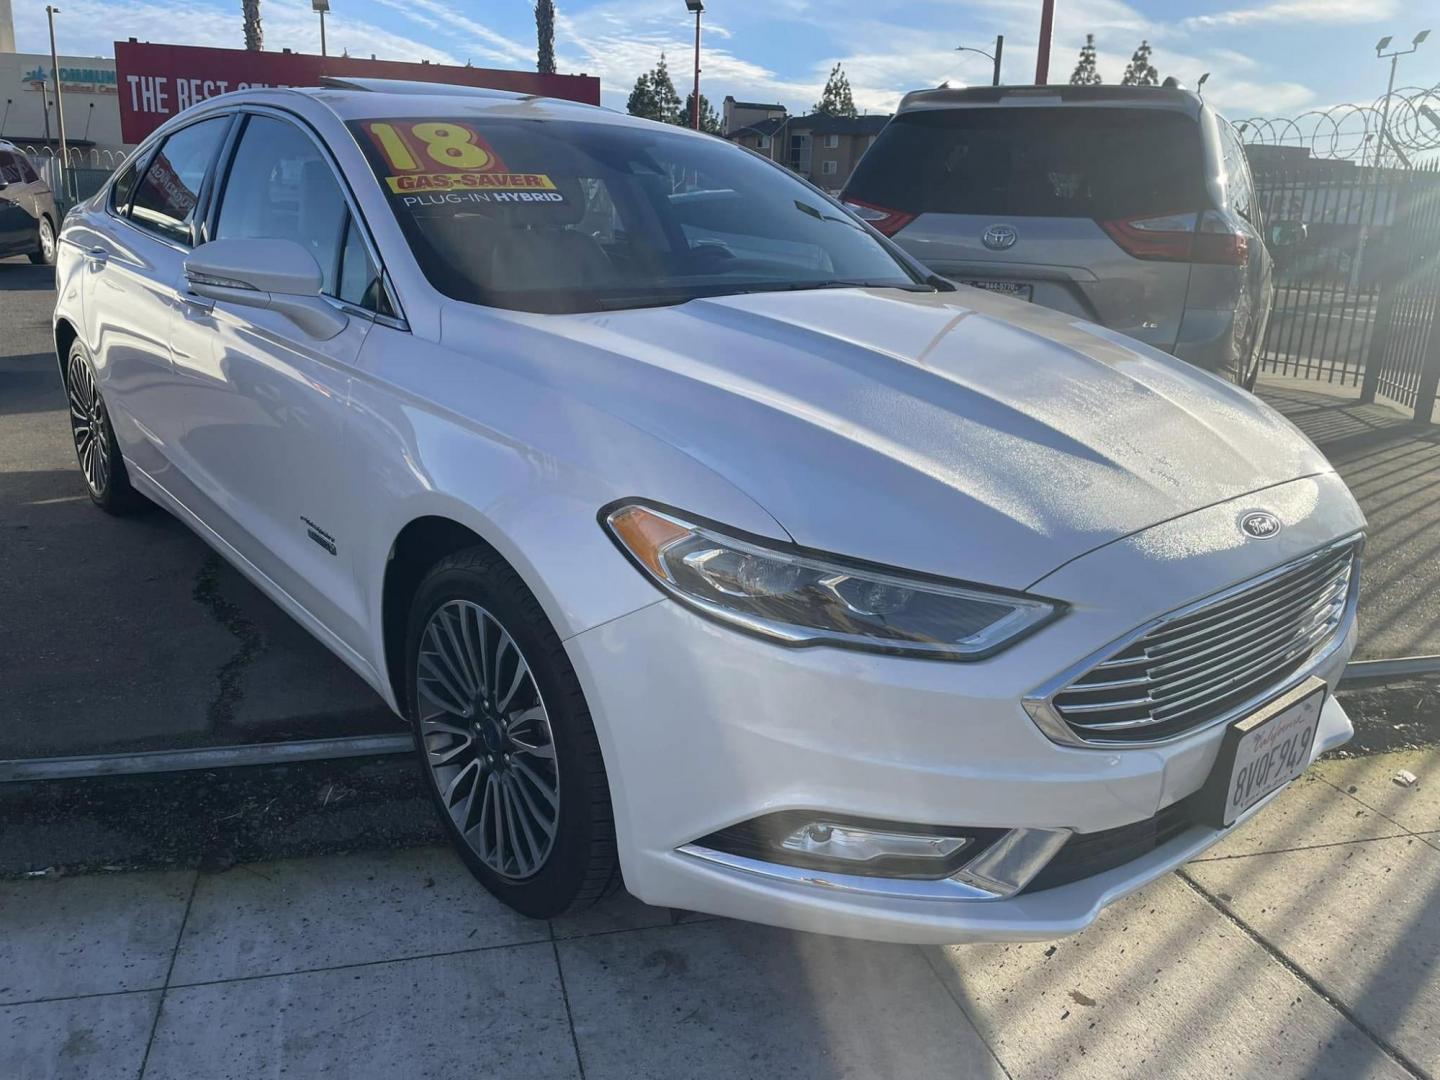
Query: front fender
x=522, y=466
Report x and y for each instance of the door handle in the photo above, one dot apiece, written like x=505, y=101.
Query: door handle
x=97, y=255
x=198, y=305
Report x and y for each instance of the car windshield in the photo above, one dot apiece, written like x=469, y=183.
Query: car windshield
x=560, y=216
x=1035, y=162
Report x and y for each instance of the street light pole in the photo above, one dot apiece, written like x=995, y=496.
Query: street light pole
x=321, y=7
x=50, y=13
x=995, y=59
x=696, y=6
x=1394, y=58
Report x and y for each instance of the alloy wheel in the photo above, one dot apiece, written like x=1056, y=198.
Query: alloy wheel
x=488, y=741
x=47, y=240
x=89, y=424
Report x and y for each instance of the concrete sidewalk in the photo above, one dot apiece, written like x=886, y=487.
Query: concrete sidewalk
x=1305, y=945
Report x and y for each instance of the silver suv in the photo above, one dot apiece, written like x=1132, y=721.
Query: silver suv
x=1132, y=207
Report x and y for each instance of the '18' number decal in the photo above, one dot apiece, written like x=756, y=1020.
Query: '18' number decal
x=452, y=146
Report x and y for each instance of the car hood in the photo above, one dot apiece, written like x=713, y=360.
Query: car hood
x=958, y=434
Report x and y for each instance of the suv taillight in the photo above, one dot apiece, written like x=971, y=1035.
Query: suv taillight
x=883, y=218
x=1184, y=236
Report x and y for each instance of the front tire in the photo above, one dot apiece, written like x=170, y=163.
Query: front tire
x=505, y=740
x=94, y=436
x=44, y=253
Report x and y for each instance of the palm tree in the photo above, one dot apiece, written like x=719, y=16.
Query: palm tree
x=254, y=35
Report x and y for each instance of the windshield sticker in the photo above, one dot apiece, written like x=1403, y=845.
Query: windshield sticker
x=435, y=157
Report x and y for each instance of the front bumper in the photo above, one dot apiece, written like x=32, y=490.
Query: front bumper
x=703, y=727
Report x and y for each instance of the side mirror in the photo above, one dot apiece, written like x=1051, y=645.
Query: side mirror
x=279, y=275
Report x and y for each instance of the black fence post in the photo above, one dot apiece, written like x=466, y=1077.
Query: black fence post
x=1429, y=376
x=1379, y=338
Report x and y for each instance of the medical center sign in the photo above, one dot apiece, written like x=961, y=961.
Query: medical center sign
x=157, y=81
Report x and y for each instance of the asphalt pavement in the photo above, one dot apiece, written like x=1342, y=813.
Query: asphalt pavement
x=130, y=634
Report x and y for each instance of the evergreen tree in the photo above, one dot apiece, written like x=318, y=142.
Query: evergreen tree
x=1085, y=73
x=545, y=36
x=666, y=99
x=836, y=99
x=1140, y=72
x=709, y=119
x=642, y=99
x=654, y=96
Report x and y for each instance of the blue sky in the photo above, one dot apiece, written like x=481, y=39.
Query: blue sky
x=1266, y=57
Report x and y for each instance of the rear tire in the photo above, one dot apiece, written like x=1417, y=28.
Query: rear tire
x=45, y=243
x=504, y=738
x=101, y=463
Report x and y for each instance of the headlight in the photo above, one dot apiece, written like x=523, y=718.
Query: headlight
x=803, y=600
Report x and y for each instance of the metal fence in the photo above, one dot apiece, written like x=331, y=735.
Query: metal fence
x=85, y=170
x=1357, y=278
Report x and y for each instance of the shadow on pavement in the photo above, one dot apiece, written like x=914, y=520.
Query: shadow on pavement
x=1392, y=466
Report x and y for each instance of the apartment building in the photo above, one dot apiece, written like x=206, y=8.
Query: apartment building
x=735, y=115
x=822, y=148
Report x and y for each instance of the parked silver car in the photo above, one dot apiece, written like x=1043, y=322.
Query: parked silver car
x=1132, y=207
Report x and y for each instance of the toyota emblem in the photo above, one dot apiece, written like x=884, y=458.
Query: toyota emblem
x=999, y=237
x=1260, y=524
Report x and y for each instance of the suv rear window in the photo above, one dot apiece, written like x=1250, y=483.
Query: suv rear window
x=1035, y=162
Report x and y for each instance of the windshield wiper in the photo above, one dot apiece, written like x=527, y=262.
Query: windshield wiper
x=673, y=299
x=620, y=303
x=800, y=286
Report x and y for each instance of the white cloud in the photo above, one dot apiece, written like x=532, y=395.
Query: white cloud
x=90, y=28
x=472, y=38
x=1298, y=11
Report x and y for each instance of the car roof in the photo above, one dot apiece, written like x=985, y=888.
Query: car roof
x=1152, y=97
x=363, y=98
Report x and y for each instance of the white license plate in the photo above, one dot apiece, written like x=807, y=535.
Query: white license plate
x=1269, y=748
x=1019, y=290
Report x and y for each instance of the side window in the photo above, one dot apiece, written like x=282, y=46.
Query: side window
x=27, y=171
x=10, y=172
x=166, y=198
x=122, y=189
x=281, y=187
x=1237, y=172
x=359, y=279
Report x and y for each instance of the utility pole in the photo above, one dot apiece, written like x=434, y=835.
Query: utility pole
x=1042, y=51
x=50, y=13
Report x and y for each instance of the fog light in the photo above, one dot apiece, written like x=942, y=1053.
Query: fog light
x=847, y=845
x=833, y=841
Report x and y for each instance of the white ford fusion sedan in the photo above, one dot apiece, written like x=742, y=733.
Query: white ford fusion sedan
x=700, y=535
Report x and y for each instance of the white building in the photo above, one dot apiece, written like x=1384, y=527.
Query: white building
x=87, y=93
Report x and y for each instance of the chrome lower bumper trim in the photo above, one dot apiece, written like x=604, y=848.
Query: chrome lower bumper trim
x=1001, y=870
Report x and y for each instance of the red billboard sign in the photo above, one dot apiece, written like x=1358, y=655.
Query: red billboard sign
x=158, y=81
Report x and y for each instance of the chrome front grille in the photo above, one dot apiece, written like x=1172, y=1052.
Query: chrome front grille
x=1215, y=657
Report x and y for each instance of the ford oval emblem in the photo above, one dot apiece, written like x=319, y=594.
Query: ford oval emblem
x=999, y=237
x=1260, y=525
